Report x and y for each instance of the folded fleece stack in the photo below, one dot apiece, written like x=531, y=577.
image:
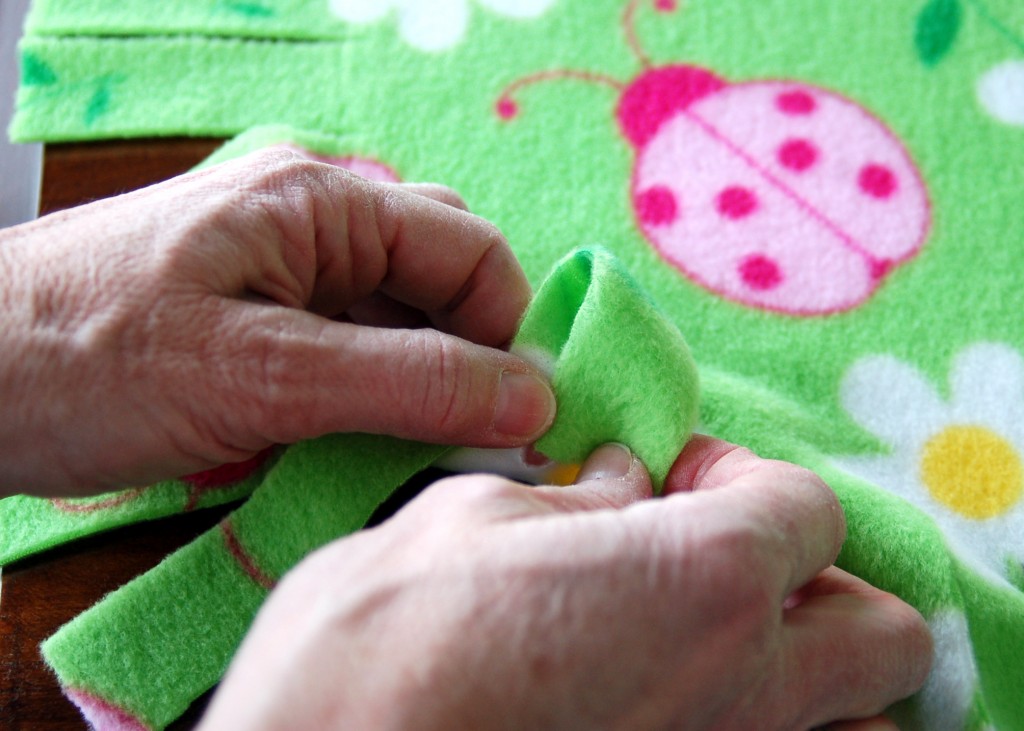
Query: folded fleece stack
x=824, y=197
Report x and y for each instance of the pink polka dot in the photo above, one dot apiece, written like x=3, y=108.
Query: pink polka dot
x=506, y=108
x=760, y=272
x=796, y=102
x=736, y=202
x=657, y=206
x=798, y=155
x=877, y=181
x=665, y=6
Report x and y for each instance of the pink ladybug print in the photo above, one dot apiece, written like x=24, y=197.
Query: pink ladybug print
x=775, y=194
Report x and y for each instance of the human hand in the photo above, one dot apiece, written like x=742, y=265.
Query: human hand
x=194, y=323
x=488, y=605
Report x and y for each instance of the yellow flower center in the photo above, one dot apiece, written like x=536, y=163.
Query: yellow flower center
x=973, y=471
x=563, y=475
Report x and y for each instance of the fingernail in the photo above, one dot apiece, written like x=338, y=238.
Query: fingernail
x=609, y=462
x=526, y=405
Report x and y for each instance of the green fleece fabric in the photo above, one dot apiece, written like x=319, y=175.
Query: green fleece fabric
x=29, y=525
x=823, y=196
x=597, y=327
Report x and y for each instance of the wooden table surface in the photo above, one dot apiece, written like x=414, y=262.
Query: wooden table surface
x=41, y=593
x=81, y=172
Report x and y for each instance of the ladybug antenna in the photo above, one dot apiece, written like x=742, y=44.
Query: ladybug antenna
x=629, y=25
x=507, y=107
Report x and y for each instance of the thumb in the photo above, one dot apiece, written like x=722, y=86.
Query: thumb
x=314, y=376
x=611, y=477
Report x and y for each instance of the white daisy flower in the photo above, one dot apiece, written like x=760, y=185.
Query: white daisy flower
x=959, y=460
x=1001, y=92
x=432, y=25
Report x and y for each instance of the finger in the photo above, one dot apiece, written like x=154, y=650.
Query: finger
x=707, y=463
x=612, y=477
x=307, y=234
x=420, y=248
x=454, y=266
x=774, y=509
x=297, y=376
x=852, y=650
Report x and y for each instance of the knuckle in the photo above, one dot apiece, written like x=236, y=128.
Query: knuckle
x=471, y=494
x=275, y=162
x=270, y=158
x=738, y=454
x=494, y=239
x=708, y=462
x=690, y=539
x=387, y=202
x=737, y=557
x=445, y=397
x=270, y=171
x=446, y=195
x=270, y=190
x=804, y=500
x=825, y=496
x=477, y=488
x=215, y=441
x=739, y=539
x=908, y=624
x=283, y=172
x=809, y=478
x=274, y=385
